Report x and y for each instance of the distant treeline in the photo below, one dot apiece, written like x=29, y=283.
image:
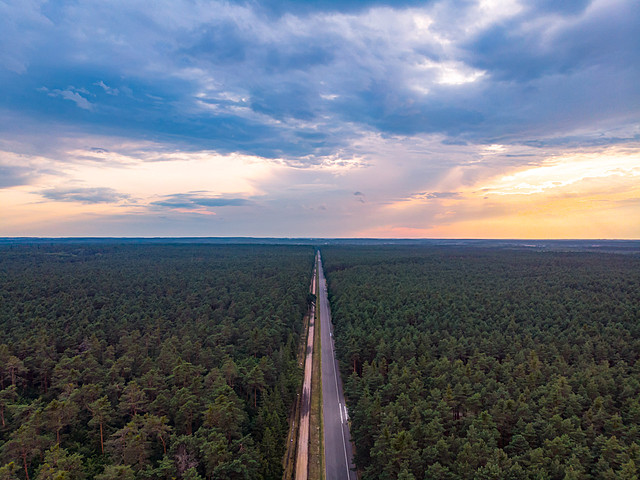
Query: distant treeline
x=464, y=363
x=125, y=361
x=615, y=246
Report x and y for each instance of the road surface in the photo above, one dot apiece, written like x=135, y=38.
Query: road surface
x=337, y=441
x=302, y=460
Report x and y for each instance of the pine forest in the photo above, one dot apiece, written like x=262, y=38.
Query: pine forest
x=181, y=361
x=148, y=361
x=464, y=363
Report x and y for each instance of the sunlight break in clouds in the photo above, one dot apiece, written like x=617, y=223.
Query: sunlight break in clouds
x=588, y=195
x=571, y=170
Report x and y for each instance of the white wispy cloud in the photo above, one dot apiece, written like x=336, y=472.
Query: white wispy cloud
x=71, y=93
x=108, y=90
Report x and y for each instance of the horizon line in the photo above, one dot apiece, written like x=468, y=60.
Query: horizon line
x=249, y=237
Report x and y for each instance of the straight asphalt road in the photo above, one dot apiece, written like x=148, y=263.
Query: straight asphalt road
x=337, y=441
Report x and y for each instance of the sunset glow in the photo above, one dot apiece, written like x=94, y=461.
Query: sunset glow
x=496, y=119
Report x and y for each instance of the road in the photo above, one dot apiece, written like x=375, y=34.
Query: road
x=302, y=460
x=337, y=441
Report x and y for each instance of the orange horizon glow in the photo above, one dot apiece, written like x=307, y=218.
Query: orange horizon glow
x=573, y=196
x=590, y=196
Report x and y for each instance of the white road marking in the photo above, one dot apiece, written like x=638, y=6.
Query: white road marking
x=325, y=302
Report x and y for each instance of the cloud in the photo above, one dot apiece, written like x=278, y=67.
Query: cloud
x=431, y=195
x=282, y=7
x=72, y=94
x=11, y=176
x=321, y=99
x=84, y=195
x=290, y=79
x=98, y=150
x=191, y=201
x=108, y=90
x=521, y=50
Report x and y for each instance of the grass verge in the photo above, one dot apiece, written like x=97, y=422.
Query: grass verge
x=289, y=460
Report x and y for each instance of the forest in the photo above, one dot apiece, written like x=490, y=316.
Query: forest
x=125, y=361
x=471, y=363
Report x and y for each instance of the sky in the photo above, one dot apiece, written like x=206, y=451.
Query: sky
x=328, y=118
